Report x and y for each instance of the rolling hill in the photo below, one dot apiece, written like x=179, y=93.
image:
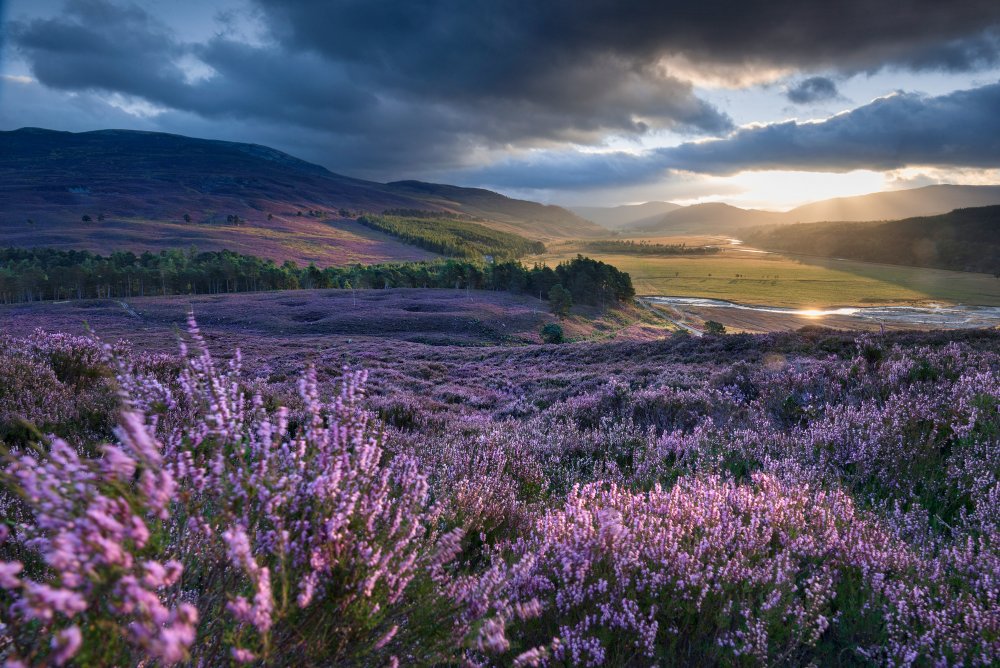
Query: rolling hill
x=614, y=217
x=116, y=189
x=711, y=217
x=962, y=240
x=896, y=204
x=531, y=219
x=717, y=218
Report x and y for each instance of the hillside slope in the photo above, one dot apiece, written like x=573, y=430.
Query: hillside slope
x=614, y=217
x=896, y=204
x=717, y=218
x=963, y=240
x=712, y=217
x=534, y=220
x=116, y=189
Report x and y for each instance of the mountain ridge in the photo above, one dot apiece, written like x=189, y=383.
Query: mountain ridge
x=712, y=217
x=614, y=217
x=113, y=189
x=884, y=205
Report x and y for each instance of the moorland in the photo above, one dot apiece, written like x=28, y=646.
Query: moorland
x=415, y=424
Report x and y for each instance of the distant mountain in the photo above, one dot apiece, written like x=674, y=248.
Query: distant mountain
x=716, y=218
x=712, y=217
x=534, y=220
x=963, y=240
x=896, y=204
x=120, y=189
x=614, y=217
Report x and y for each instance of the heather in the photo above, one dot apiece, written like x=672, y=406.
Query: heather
x=737, y=500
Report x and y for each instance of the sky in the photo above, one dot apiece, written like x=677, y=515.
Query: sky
x=574, y=102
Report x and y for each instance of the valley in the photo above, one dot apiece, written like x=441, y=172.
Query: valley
x=739, y=274
x=499, y=334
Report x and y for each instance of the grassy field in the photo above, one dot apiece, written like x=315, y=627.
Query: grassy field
x=756, y=278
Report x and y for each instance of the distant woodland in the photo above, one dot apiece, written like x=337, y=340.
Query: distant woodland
x=647, y=248
x=454, y=237
x=962, y=240
x=47, y=274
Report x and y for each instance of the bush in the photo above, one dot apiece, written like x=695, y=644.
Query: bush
x=714, y=328
x=552, y=333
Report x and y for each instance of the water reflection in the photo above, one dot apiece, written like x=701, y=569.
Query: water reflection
x=958, y=316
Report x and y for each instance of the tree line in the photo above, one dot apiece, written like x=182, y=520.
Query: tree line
x=454, y=237
x=646, y=248
x=38, y=274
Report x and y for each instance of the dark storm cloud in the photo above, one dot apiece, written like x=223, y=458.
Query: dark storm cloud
x=510, y=46
x=381, y=85
x=961, y=129
x=570, y=170
x=813, y=89
x=368, y=112
x=98, y=45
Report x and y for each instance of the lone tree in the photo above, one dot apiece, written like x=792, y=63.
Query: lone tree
x=560, y=300
x=187, y=217
x=715, y=328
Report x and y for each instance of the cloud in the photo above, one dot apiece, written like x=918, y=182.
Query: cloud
x=510, y=45
x=97, y=45
x=811, y=90
x=368, y=113
x=569, y=170
x=382, y=89
x=961, y=129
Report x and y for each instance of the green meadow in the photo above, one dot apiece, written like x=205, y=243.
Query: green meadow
x=778, y=280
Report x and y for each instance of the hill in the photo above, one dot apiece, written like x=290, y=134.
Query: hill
x=125, y=190
x=714, y=217
x=896, y=204
x=614, y=217
x=717, y=218
x=963, y=240
x=534, y=220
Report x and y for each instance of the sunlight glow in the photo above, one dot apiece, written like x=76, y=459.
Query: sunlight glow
x=819, y=313
x=719, y=75
x=780, y=190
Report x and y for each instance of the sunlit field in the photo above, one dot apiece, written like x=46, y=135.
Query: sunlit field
x=757, y=278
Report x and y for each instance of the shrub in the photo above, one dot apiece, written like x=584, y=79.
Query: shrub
x=714, y=328
x=552, y=333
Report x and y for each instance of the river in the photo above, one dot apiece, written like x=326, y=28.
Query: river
x=931, y=316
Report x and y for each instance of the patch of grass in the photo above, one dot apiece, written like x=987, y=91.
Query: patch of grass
x=754, y=278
